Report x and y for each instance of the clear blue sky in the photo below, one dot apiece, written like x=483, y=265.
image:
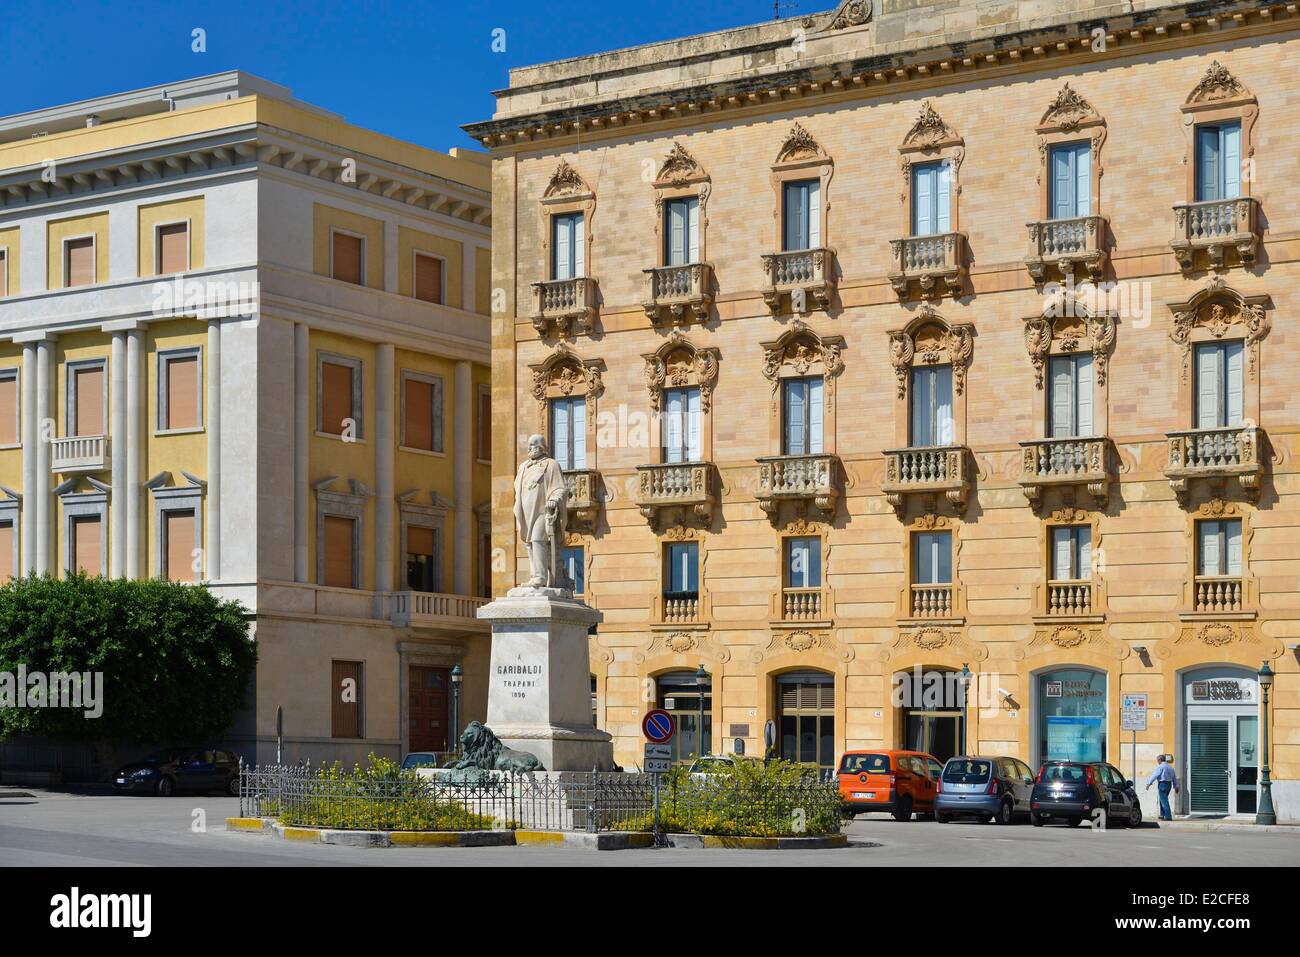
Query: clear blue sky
x=414, y=70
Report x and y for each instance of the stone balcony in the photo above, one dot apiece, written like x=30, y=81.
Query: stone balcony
x=934, y=264
x=931, y=470
x=564, y=307
x=676, y=295
x=688, y=489
x=1232, y=452
x=803, y=606
x=1217, y=227
x=1218, y=595
x=1071, y=462
x=1069, y=599
x=80, y=453
x=1067, y=246
x=932, y=601
x=583, y=505
x=814, y=479
x=436, y=611
x=799, y=274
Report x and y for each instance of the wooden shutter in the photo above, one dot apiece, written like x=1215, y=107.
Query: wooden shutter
x=1083, y=552
x=1082, y=179
x=1083, y=389
x=578, y=435
x=816, y=415
x=173, y=248
x=86, y=539
x=339, y=571
x=79, y=261
x=693, y=230
x=677, y=226
x=561, y=448
x=562, y=247
x=796, y=400
x=336, y=396
x=89, y=391
x=1208, y=176
x=1232, y=382
x=1210, y=560
x=1062, y=400
x=922, y=407
x=1062, y=183
x=179, y=538
x=182, y=392
x=345, y=715
x=6, y=552
x=428, y=278
x=1232, y=544
x=673, y=433
x=694, y=439
x=347, y=257
x=814, y=215
x=1230, y=159
x=923, y=200
x=8, y=408
x=419, y=415
x=579, y=244
x=942, y=198
x=419, y=541
x=1062, y=546
x=485, y=425
x=1209, y=359
x=943, y=434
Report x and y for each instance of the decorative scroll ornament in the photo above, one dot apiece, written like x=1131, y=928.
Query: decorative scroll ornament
x=801, y=348
x=679, y=168
x=1217, y=308
x=1074, y=638
x=564, y=372
x=803, y=642
x=931, y=340
x=678, y=362
x=851, y=13
x=1042, y=331
x=1217, y=84
x=1068, y=111
x=799, y=145
x=929, y=130
x=566, y=181
x=682, y=643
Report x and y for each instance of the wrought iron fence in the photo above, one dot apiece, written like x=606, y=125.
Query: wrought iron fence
x=568, y=801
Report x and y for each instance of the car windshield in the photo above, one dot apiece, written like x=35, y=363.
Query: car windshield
x=712, y=765
x=966, y=771
x=865, y=764
x=1062, y=773
x=169, y=754
x=420, y=760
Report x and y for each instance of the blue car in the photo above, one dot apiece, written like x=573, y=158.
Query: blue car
x=991, y=788
x=1072, y=791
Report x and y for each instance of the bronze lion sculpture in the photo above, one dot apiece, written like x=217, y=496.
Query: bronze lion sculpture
x=483, y=751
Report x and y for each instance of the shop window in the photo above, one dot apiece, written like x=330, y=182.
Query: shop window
x=807, y=718
x=1072, y=715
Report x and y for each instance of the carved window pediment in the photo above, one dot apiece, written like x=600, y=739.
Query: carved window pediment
x=803, y=352
x=566, y=183
x=1216, y=312
x=1217, y=88
x=679, y=362
x=929, y=339
x=679, y=169
x=1068, y=113
x=929, y=132
x=850, y=13
x=800, y=148
x=565, y=373
x=1068, y=327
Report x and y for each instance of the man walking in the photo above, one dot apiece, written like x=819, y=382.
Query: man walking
x=1167, y=780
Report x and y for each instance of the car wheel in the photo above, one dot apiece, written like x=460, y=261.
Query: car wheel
x=1037, y=820
x=1075, y=821
x=904, y=810
x=1006, y=813
x=165, y=787
x=232, y=786
x=941, y=818
x=1135, y=816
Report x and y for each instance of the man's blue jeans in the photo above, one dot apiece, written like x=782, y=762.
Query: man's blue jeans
x=1164, y=787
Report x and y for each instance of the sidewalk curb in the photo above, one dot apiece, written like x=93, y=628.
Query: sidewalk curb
x=1244, y=828
x=603, y=841
x=710, y=841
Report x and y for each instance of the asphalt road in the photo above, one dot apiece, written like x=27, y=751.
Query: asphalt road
x=53, y=829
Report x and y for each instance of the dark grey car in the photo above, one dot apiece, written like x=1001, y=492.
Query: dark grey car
x=989, y=787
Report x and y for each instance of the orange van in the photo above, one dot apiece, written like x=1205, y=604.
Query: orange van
x=898, y=782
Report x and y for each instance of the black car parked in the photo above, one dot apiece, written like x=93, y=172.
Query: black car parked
x=1073, y=790
x=180, y=769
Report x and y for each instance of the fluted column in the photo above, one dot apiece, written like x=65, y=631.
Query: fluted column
x=117, y=446
x=386, y=356
x=213, y=426
x=31, y=442
x=301, y=441
x=463, y=463
x=135, y=560
x=44, y=432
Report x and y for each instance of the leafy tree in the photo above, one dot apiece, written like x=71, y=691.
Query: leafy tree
x=175, y=660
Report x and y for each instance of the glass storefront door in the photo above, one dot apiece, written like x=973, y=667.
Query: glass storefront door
x=680, y=695
x=1071, y=715
x=934, y=732
x=1221, y=714
x=807, y=718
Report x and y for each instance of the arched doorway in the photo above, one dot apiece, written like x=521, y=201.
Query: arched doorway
x=929, y=703
x=1070, y=714
x=1219, y=735
x=680, y=694
x=805, y=718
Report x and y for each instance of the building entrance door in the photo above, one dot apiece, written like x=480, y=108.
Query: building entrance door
x=427, y=709
x=1208, y=781
x=934, y=732
x=1222, y=742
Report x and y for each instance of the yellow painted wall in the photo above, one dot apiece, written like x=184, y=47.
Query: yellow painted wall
x=59, y=230
x=452, y=252
x=11, y=459
x=327, y=218
x=483, y=281
x=76, y=347
x=154, y=214
x=9, y=243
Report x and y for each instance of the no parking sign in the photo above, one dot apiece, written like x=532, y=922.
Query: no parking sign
x=658, y=726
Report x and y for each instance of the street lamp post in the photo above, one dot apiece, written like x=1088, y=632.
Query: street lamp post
x=701, y=679
x=965, y=689
x=456, y=677
x=1265, y=814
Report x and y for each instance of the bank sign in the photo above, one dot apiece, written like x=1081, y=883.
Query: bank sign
x=1221, y=691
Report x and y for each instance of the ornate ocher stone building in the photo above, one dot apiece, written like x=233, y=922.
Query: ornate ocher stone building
x=917, y=335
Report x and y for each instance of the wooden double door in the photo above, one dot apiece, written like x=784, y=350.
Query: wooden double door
x=428, y=707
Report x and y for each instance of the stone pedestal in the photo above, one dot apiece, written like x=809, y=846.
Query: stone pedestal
x=539, y=688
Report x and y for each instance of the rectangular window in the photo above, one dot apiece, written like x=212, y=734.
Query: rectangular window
x=681, y=425
x=180, y=389
x=931, y=412
x=569, y=432
x=428, y=277
x=802, y=212
x=931, y=199
x=338, y=389
x=568, y=246
x=422, y=426
x=575, y=567
x=422, y=566
x=1219, y=384
x=1071, y=553
x=682, y=231
x=172, y=248
x=802, y=410
x=345, y=699
x=86, y=402
x=4, y=272
x=932, y=558
x=1070, y=402
x=1071, y=181
x=682, y=571
x=6, y=552
x=340, y=541
x=86, y=541
x=9, y=428
x=1218, y=161
x=79, y=262
x=803, y=562
x=178, y=545
x=347, y=258
x=484, y=434
x=1218, y=548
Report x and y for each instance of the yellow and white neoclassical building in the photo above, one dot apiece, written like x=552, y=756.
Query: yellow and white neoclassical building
x=245, y=343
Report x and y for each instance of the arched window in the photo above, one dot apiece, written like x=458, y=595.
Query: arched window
x=1071, y=707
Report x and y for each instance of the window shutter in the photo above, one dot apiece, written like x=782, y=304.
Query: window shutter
x=561, y=447
x=1083, y=554
x=814, y=227
x=561, y=247
x=1233, y=356
x=943, y=546
x=579, y=239
x=347, y=258
x=419, y=415
x=339, y=572
x=942, y=198
x=795, y=212
x=173, y=248
x=692, y=559
x=795, y=400
x=336, y=397
x=816, y=414
x=1062, y=183
x=1208, y=359
x=345, y=715
x=1207, y=163
x=693, y=432
x=1082, y=179
x=1062, y=397
x=90, y=400
x=419, y=541
x=80, y=261
x=814, y=550
x=85, y=545
x=6, y=552
x=676, y=214
x=1209, y=546
x=1083, y=386
x=179, y=532
x=693, y=230
x=1062, y=547
x=675, y=402
x=578, y=436
x=922, y=200
x=4, y=272
x=1232, y=537
x=796, y=563
x=1230, y=158
x=182, y=392
x=926, y=558
x=943, y=405
x=9, y=409
x=428, y=278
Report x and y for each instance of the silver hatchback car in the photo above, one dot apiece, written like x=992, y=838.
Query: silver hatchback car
x=992, y=788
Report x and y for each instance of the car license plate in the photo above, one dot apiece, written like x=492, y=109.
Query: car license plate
x=865, y=795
